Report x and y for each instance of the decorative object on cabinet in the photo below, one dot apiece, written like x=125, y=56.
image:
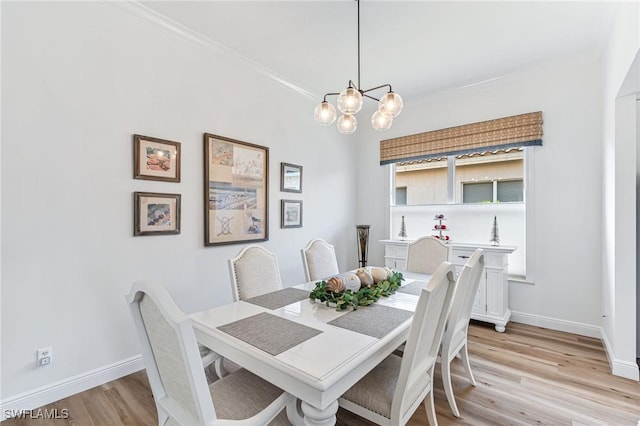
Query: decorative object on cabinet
x=291, y=214
x=156, y=159
x=403, y=230
x=156, y=214
x=440, y=228
x=492, y=301
x=290, y=177
x=236, y=176
x=495, y=236
x=362, y=234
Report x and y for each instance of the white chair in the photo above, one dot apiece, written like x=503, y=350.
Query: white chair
x=454, y=341
x=319, y=260
x=425, y=254
x=391, y=392
x=254, y=271
x=178, y=383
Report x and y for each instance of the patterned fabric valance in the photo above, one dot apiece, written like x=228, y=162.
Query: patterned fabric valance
x=502, y=133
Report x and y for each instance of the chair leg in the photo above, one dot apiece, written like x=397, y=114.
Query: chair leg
x=448, y=388
x=430, y=408
x=466, y=364
x=220, y=371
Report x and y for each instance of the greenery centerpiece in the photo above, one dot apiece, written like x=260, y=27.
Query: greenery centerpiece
x=361, y=288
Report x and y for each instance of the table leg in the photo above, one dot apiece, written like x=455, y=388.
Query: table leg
x=315, y=417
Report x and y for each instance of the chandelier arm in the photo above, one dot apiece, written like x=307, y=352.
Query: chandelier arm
x=376, y=88
x=329, y=94
x=371, y=97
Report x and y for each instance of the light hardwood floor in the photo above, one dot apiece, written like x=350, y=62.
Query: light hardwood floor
x=527, y=375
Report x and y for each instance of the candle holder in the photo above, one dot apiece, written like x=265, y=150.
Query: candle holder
x=362, y=232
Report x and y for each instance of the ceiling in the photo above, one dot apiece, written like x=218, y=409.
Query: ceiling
x=417, y=46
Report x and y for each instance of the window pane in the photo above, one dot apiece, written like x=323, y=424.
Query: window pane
x=425, y=181
x=480, y=167
x=510, y=190
x=477, y=192
x=401, y=196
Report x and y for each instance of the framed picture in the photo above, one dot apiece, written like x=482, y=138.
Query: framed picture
x=155, y=213
x=291, y=214
x=290, y=177
x=236, y=191
x=156, y=159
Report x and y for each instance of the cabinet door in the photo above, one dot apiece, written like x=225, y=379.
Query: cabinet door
x=496, y=293
x=480, y=302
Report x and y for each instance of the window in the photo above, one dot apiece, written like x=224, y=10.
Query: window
x=401, y=195
x=483, y=177
x=492, y=192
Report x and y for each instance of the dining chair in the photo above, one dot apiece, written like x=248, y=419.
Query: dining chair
x=392, y=391
x=178, y=383
x=319, y=260
x=425, y=254
x=254, y=271
x=454, y=340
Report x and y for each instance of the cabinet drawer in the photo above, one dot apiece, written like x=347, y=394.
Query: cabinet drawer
x=460, y=256
x=395, y=251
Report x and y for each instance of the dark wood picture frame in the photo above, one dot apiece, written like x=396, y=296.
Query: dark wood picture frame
x=291, y=213
x=156, y=213
x=236, y=191
x=290, y=178
x=156, y=159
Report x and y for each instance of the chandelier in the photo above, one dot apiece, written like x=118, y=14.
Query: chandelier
x=350, y=103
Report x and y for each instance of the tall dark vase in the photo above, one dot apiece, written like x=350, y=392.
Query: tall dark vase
x=363, y=244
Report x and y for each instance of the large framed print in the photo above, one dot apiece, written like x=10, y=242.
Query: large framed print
x=156, y=159
x=236, y=182
x=155, y=213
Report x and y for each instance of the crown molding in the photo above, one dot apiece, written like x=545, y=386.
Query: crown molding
x=197, y=39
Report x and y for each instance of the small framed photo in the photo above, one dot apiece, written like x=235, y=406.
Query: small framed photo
x=290, y=177
x=156, y=159
x=291, y=214
x=156, y=214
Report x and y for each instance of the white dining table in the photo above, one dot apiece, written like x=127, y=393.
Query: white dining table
x=320, y=369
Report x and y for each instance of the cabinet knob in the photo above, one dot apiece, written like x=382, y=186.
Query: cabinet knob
x=463, y=257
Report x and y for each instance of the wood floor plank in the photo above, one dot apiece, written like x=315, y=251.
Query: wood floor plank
x=525, y=376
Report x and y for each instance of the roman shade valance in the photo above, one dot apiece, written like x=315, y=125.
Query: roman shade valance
x=502, y=133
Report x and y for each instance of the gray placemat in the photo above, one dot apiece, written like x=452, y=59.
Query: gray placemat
x=414, y=288
x=373, y=320
x=278, y=299
x=269, y=333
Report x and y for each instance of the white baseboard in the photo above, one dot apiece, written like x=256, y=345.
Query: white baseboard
x=621, y=368
x=557, y=324
x=56, y=391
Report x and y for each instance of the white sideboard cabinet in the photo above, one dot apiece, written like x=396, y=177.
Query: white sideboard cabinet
x=492, y=300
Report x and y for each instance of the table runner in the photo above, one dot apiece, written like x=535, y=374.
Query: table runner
x=279, y=298
x=414, y=288
x=373, y=320
x=269, y=333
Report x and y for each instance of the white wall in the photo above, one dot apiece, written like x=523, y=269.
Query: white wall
x=619, y=217
x=564, y=217
x=79, y=79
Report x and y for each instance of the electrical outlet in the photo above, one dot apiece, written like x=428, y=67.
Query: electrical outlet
x=45, y=356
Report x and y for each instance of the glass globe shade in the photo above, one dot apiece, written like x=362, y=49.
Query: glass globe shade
x=381, y=121
x=390, y=104
x=350, y=101
x=325, y=114
x=347, y=124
